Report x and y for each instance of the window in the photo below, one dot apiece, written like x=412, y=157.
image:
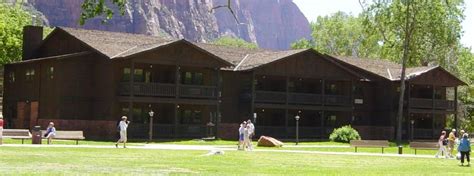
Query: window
x=50, y=72
x=11, y=77
x=30, y=74
x=138, y=75
x=191, y=116
x=358, y=90
x=126, y=74
x=194, y=78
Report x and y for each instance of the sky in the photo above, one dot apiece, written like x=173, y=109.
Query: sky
x=314, y=8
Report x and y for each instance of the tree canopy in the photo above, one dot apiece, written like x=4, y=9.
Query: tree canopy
x=12, y=20
x=235, y=42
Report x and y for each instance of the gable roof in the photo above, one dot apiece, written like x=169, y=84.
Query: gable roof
x=387, y=69
x=112, y=44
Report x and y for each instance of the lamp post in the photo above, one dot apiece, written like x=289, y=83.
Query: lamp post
x=412, y=122
x=254, y=118
x=297, y=118
x=150, y=130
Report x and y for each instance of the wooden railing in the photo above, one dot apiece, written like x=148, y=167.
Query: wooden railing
x=140, y=131
x=194, y=91
x=289, y=132
x=168, y=90
x=419, y=133
x=301, y=98
x=428, y=103
x=337, y=100
x=191, y=131
x=270, y=97
x=304, y=98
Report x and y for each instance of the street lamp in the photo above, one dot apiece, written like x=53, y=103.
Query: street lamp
x=254, y=118
x=412, y=122
x=150, y=130
x=297, y=118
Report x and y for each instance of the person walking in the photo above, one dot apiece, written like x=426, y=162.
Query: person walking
x=123, y=125
x=50, y=132
x=451, y=142
x=1, y=129
x=441, y=144
x=251, y=129
x=465, y=149
x=246, y=145
x=241, y=137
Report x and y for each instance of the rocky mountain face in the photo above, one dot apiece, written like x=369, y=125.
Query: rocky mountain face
x=273, y=24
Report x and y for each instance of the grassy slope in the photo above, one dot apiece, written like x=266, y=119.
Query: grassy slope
x=139, y=161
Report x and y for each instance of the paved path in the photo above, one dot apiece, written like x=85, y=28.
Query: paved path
x=217, y=148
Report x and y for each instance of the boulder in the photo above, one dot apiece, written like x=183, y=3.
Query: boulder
x=267, y=141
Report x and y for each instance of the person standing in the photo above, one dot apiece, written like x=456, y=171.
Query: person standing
x=241, y=136
x=451, y=142
x=441, y=143
x=123, y=125
x=1, y=129
x=251, y=133
x=50, y=132
x=465, y=149
x=246, y=145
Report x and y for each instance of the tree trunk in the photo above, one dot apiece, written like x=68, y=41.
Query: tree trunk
x=406, y=45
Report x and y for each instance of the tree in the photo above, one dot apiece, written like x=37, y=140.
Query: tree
x=94, y=8
x=12, y=20
x=412, y=33
x=235, y=42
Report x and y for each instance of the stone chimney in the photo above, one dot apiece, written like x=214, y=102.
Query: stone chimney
x=32, y=38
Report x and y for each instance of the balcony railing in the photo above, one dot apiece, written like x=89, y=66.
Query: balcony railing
x=301, y=98
x=270, y=97
x=168, y=90
x=304, y=98
x=337, y=100
x=428, y=104
x=197, y=91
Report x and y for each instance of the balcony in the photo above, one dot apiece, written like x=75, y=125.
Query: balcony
x=168, y=90
x=432, y=104
x=301, y=98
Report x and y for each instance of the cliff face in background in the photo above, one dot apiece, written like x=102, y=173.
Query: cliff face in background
x=273, y=24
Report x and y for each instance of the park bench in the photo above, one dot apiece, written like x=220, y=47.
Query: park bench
x=17, y=134
x=68, y=135
x=369, y=144
x=424, y=145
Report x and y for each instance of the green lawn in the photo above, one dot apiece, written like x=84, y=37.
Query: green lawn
x=67, y=161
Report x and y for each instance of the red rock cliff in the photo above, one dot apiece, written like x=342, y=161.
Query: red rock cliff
x=270, y=23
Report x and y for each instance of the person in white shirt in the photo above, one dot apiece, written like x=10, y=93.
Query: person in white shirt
x=123, y=125
x=251, y=129
x=241, y=136
x=50, y=132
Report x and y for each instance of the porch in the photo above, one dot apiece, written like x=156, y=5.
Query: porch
x=302, y=91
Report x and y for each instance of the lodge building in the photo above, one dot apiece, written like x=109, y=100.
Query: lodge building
x=86, y=80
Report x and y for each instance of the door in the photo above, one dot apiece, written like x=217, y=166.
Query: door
x=27, y=115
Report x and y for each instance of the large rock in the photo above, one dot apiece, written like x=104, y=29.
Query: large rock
x=273, y=24
x=266, y=141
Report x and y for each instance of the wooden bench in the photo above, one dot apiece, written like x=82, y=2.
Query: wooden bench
x=417, y=145
x=17, y=134
x=369, y=144
x=67, y=135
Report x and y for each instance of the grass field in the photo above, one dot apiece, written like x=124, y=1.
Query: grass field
x=67, y=161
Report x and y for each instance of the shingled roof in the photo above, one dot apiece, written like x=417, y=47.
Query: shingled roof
x=115, y=44
x=384, y=68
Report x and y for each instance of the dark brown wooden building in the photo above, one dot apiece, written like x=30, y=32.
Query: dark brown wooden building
x=86, y=80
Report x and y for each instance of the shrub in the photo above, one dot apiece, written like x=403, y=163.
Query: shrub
x=344, y=134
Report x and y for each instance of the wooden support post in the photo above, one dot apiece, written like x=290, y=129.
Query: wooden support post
x=456, y=123
x=322, y=125
x=323, y=100
x=252, y=102
x=287, y=89
x=132, y=80
x=218, y=98
x=410, y=126
x=432, y=111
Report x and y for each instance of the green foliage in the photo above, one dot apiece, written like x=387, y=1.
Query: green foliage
x=344, y=134
x=235, y=42
x=94, y=8
x=302, y=44
x=12, y=20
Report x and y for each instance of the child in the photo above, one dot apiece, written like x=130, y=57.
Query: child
x=442, y=148
x=465, y=148
x=50, y=132
x=241, y=135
